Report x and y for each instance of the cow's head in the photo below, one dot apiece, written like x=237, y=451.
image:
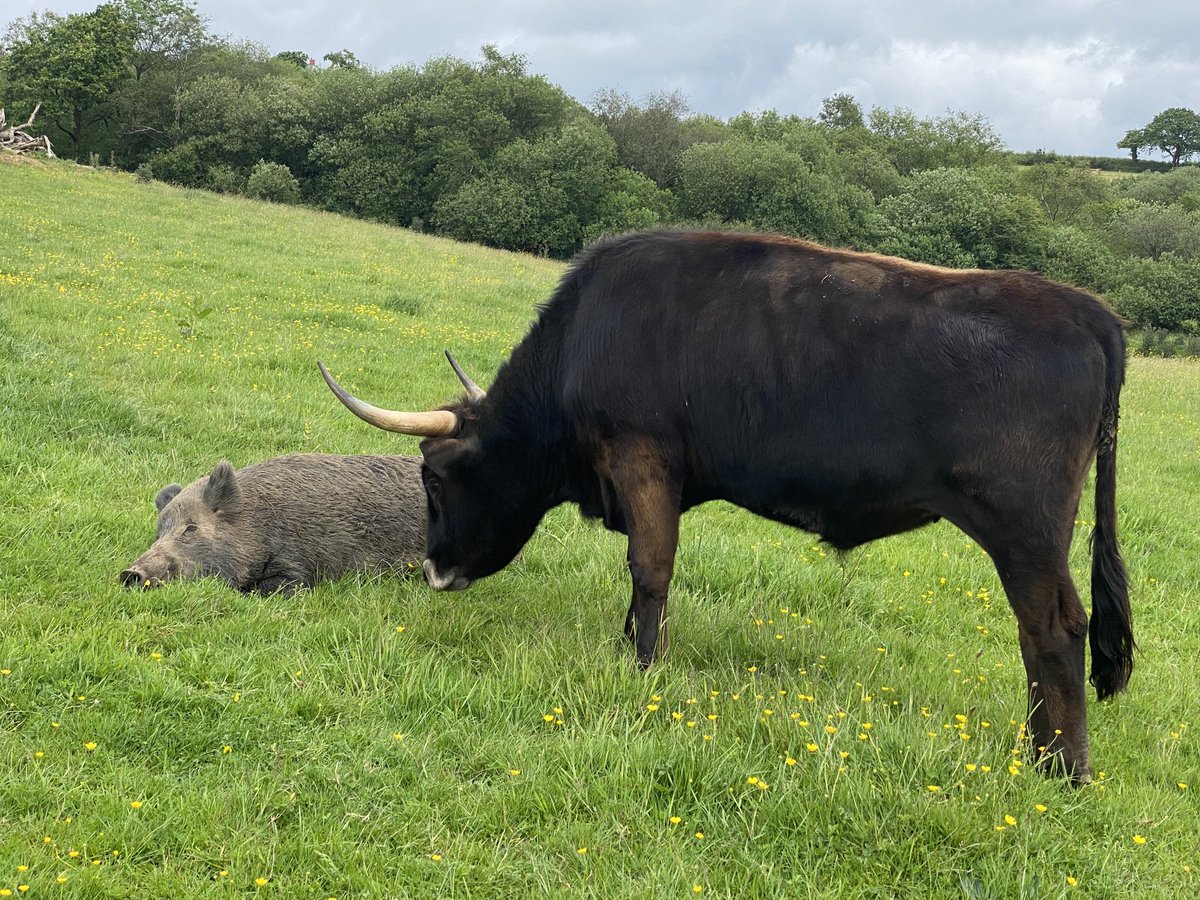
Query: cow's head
x=482, y=502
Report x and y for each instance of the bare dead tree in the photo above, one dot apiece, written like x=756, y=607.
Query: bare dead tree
x=17, y=139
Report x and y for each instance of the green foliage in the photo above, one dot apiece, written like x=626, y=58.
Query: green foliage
x=763, y=183
x=226, y=180
x=426, y=133
x=1175, y=132
x=1062, y=189
x=272, y=181
x=342, y=59
x=951, y=217
x=184, y=164
x=297, y=58
x=165, y=33
x=1079, y=256
x=492, y=210
x=649, y=136
x=1166, y=344
x=631, y=202
x=913, y=144
x=73, y=66
x=1181, y=185
x=557, y=191
x=1150, y=230
x=1162, y=292
x=1135, y=141
x=841, y=111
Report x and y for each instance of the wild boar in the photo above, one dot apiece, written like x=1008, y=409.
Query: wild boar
x=284, y=523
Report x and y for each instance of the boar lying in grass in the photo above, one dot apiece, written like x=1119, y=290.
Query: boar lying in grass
x=284, y=523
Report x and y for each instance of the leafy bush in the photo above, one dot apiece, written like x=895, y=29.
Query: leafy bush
x=954, y=217
x=272, y=181
x=492, y=211
x=181, y=165
x=633, y=201
x=226, y=180
x=1159, y=342
x=1165, y=187
x=772, y=187
x=1152, y=229
x=1160, y=293
x=1076, y=256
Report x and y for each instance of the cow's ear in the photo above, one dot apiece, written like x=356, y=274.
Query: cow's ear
x=166, y=495
x=221, y=494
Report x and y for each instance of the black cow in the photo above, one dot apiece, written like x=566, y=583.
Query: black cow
x=851, y=395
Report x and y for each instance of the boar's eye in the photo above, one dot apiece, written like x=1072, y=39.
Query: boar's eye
x=191, y=528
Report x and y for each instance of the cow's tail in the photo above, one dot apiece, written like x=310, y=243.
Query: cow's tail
x=1111, y=630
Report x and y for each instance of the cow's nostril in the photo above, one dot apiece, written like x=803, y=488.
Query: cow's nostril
x=132, y=578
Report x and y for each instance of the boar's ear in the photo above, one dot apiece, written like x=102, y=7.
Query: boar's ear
x=221, y=494
x=166, y=495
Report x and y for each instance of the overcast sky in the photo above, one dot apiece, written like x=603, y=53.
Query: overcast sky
x=1065, y=75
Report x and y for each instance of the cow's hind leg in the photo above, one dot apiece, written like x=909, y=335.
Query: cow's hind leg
x=649, y=505
x=1052, y=627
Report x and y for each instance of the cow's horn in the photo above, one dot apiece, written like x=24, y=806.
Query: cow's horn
x=435, y=423
x=474, y=391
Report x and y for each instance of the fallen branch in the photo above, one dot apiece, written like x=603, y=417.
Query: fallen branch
x=17, y=139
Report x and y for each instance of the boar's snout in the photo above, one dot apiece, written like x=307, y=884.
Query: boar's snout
x=132, y=578
x=135, y=578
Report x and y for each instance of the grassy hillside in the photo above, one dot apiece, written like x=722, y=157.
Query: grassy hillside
x=824, y=726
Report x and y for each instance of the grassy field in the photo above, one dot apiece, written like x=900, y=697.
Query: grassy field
x=824, y=726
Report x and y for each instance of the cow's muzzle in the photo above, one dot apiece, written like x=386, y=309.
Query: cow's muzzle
x=447, y=581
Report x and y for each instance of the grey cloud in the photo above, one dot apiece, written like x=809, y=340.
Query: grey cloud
x=1071, y=75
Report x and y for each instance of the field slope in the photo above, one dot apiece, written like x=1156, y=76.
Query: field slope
x=825, y=726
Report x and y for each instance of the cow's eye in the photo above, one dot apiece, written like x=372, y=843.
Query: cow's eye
x=192, y=528
x=433, y=487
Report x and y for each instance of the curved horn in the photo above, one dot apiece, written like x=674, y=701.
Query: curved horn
x=436, y=423
x=474, y=391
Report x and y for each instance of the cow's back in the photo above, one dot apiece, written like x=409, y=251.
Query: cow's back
x=805, y=383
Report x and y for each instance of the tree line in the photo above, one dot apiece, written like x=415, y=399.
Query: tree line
x=487, y=151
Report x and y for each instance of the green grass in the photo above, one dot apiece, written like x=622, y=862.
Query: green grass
x=371, y=738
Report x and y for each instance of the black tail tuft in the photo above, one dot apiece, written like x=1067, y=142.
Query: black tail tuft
x=1111, y=631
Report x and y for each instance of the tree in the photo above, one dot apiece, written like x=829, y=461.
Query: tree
x=1181, y=185
x=169, y=43
x=1175, y=132
x=297, y=58
x=1062, y=189
x=342, y=59
x=840, y=111
x=913, y=144
x=272, y=181
x=1134, y=141
x=426, y=133
x=163, y=31
x=1160, y=293
x=74, y=66
x=1152, y=229
x=962, y=219
x=769, y=185
x=649, y=136
x=549, y=195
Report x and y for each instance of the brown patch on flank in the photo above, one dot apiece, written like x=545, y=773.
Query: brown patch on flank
x=859, y=275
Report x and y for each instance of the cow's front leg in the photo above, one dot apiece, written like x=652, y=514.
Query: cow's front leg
x=649, y=503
